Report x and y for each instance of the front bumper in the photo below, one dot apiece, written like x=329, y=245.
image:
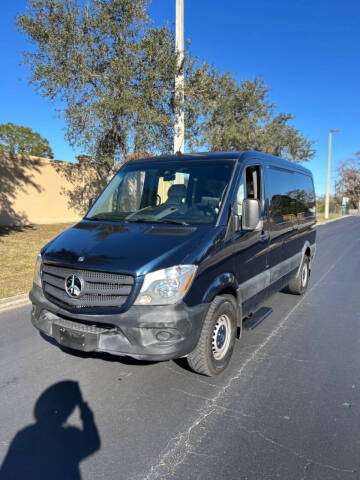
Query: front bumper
x=142, y=332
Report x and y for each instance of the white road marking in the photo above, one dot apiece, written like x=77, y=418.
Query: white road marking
x=178, y=447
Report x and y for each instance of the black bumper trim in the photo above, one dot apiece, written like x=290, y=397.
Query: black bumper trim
x=142, y=332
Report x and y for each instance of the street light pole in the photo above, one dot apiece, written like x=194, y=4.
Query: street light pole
x=179, y=127
x=327, y=195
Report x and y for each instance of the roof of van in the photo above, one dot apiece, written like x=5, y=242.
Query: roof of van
x=242, y=156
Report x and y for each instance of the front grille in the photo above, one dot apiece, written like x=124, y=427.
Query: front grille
x=100, y=289
x=82, y=327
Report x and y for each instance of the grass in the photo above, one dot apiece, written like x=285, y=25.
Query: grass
x=321, y=216
x=18, y=250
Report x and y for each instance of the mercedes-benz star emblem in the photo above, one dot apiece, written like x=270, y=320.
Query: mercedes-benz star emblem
x=74, y=285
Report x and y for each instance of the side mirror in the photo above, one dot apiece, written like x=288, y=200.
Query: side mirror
x=250, y=213
x=91, y=202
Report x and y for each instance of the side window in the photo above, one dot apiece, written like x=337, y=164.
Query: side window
x=253, y=182
x=292, y=195
x=250, y=186
x=281, y=192
x=304, y=197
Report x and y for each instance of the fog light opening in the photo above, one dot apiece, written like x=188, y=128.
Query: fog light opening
x=163, y=336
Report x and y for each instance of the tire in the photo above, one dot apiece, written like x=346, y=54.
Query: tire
x=217, y=340
x=299, y=283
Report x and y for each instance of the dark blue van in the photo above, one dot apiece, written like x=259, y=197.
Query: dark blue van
x=175, y=253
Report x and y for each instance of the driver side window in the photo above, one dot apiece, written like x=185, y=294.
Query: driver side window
x=250, y=186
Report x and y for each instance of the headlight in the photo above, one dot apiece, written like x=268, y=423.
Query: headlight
x=166, y=287
x=37, y=271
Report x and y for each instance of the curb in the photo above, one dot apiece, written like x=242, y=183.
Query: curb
x=15, y=301
x=333, y=220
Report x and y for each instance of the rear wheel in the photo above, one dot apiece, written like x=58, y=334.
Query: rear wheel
x=216, y=344
x=298, y=284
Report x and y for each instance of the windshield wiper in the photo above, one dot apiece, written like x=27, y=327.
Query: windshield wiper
x=104, y=216
x=170, y=220
x=140, y=220
x=156, y=220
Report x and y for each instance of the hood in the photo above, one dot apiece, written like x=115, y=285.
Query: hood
x=130, y=248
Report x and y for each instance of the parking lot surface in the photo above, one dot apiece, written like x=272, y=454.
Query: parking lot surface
x=288, y=407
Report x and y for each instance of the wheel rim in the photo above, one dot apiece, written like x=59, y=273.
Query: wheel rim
x=304, y=275
x=221, y=337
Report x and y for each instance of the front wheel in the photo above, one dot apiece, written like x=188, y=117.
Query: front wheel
x=217, y=340
x=298, y=284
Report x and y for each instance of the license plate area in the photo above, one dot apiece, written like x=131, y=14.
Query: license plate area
x=78, y=340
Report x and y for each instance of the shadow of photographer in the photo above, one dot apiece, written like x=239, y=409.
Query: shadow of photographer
x=49, y=448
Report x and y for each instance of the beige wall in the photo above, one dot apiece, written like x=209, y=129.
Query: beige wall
x=39, y=190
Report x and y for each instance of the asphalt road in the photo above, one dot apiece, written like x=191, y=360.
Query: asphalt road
x=287, y=408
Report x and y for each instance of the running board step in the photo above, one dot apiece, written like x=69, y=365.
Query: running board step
x=254, y=320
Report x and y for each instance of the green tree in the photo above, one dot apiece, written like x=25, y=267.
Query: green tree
x=114, y=72
x=17, y=139
x=112, y=69
x=241, y=117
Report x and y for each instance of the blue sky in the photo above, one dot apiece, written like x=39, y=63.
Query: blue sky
x=308, y=52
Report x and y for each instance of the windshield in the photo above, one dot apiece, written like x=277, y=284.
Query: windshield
x=187, y=192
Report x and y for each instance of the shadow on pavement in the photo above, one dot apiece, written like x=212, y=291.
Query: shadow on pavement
x=50, y=449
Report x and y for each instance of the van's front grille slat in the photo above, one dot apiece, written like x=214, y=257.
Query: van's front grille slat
x=90, y=275
x=99, y=289
x=82, y=327
x=54, y=281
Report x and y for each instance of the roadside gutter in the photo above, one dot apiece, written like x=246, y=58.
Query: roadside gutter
x=325, y=222
x=15, y=301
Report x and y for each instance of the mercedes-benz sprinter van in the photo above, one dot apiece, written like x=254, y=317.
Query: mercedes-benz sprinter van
x=175, y=253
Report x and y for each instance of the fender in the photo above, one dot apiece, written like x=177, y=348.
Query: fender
x=222, y=281
x=312, y=254
x=218, y=285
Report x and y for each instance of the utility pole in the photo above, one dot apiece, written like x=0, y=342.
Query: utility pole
x=327, y=195
x=179, y=127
